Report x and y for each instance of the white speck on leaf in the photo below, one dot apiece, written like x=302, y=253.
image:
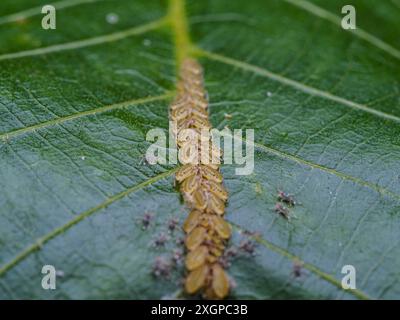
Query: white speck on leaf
x=112, y=18
x=147, y=42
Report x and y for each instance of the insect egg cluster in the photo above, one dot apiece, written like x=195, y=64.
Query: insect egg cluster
x=201, y=186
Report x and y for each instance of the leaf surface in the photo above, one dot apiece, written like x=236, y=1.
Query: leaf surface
x=76, y=104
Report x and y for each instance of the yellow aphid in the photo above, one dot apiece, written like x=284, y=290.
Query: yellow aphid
x=191, y=66
x=194, y=92
x=211, y=259
x=210, y=294
x=199, y=112
x=190, y=184
x=216, y=252
x=213, y=166
x=195, y=81
x=220, y=281
x=215, y=204
x=211, y=174
x=202, y=103
x=199, y=122
x=179, y=113
x=199, y=199
x=192, y=221
x=185, y=172
x=196, y=279
x=222, y=227
x=201, y=185
x=196, y=258
x=218, y=190
x=195, y=238
x=179, y=103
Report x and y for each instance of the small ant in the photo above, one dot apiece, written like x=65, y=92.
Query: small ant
x=283, y=211
x=161, y=240
x=286, y=198
x=180, y=241
x=146, y=220
x=173, y=224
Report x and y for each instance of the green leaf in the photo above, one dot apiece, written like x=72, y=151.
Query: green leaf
x=76, y=104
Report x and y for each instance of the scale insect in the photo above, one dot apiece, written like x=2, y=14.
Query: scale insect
x=200, y=183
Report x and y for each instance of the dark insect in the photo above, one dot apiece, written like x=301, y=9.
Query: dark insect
x=177, y=256
x=180, y=241
x=162, y=267
x=146, y=220
x=172, y=224
x=286, y=198
x=297, y=268
x=247, y=246
x=161, y=240
x=226, y=259
x=282, y=210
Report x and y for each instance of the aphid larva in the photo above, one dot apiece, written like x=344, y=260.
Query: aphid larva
x=192, y=221
x=222, y=227
x=218, y=190
x=199, y=199
x=211, y=174
x=190, y=184
x=213, y=166
x=195, y=81
x=180, y=101
x=216, y=251
x=201, y=186
x=199, y=112
x=196, y=279
x=185, y=172
x=220, y=281
x=215, y=204
x=196, y=258
x=179, y=113
x=191, y=66
x=194, y=92
x=195, y=238
x=199, y=122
